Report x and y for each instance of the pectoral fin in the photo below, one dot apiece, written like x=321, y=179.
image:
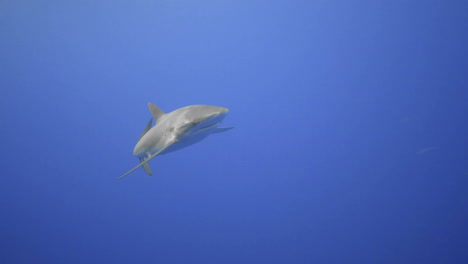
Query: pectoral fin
x=222, y=129
x=147, y=128
x=148, y=159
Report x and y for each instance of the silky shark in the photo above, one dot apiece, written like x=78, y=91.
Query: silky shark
x=175, y=130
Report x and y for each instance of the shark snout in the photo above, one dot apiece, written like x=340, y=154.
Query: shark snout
x=219, y=114
x=221, y=111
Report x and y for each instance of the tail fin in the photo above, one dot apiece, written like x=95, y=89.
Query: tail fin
x=148, y=159
x=146, y=167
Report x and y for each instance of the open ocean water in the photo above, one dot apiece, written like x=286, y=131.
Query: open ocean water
x=350, y=140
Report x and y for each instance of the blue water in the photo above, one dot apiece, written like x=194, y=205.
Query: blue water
x=350, y=139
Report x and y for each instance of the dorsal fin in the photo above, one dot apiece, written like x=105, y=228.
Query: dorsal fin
x=155, y=111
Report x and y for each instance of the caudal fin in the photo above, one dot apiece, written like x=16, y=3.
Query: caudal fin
x=147, y=168
x=146, y=160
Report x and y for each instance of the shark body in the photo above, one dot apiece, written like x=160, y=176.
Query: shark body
x=176, y=130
